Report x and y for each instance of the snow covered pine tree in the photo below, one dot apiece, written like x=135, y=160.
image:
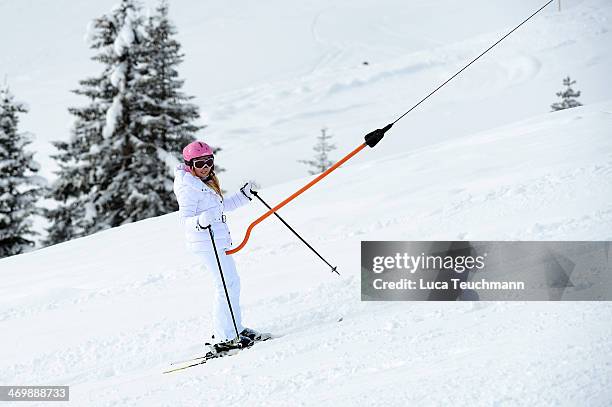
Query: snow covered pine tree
x=166, y=118
x=20, y=187
x=567, y=96
x=117, y=166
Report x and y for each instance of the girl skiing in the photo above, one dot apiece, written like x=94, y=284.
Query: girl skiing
x=201, y=206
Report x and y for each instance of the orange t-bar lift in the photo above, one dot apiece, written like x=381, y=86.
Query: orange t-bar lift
x=371, y=140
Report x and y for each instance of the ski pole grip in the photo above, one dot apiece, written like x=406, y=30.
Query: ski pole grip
x=375, y=136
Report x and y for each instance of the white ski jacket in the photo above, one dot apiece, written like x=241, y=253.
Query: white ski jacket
x=195, y=197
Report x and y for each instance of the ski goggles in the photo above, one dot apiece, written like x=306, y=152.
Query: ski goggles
x=203, y=162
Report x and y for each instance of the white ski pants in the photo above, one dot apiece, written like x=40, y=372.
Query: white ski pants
x=223, y=326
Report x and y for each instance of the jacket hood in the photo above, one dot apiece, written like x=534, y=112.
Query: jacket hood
x=183, y=177
x=180, y=171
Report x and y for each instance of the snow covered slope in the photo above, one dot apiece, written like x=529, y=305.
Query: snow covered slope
x=106, y=313
x=268, y=75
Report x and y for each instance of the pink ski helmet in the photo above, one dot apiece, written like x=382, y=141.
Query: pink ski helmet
x=194, y=150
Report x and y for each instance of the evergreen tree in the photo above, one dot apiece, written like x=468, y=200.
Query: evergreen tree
x=69, y=190
x=166, y=117
x=117, y=154
x=321, y=162
x=96, y=151
x=117, y=166
x=567, y=96
x=20, y=187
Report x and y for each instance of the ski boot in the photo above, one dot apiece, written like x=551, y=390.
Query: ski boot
x=231, y=344
x=254, y=335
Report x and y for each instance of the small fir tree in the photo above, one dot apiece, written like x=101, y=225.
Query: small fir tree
x=567, y=96
x=321, y=162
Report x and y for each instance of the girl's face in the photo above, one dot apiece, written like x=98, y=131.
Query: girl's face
x=205, y=163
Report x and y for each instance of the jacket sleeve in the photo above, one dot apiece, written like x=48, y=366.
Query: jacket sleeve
x=187, y=211
x=235, y=201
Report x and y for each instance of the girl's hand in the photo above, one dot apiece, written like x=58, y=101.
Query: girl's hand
x=247, y=189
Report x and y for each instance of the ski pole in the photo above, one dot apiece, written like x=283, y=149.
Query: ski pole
x=295, y=233
x=371, y=138
x=212, y=235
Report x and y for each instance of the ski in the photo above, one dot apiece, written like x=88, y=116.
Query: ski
x=203, y=359
x=188, y=360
